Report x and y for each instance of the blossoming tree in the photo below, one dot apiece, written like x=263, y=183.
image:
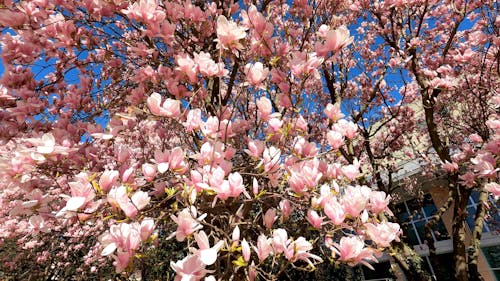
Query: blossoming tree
x=243, y=139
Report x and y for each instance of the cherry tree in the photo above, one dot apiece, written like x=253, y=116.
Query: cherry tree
x=245, y=140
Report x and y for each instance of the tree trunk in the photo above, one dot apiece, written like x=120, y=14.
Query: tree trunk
x=474, y=274
x=409, y=262
x=429, y=240
x=461, y=196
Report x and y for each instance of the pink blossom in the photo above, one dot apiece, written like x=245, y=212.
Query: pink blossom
x=334, y=211
x=304, y=148
x=334, y=41
x=232, y=187
x=263, y=248
x=146, y=228
x=252, y=272
x=235, y=237
x=229, y=33
x=140, y=199
x=193, y=120
x=82, y=193
x=323, y=30
x=210, y=128
x=494, y=188
x=162, y=160
x=269, y=218
x=235, y=184
x=172, y=108
x=11, y=18
x=333, y=112
x=314, y=219
x=125, y=238
x=37, y=223
x=149, y=171
x=275, y=124
x=256, y=73
x=207, y=66
x=47, y=144
x=286, y=208
x=271, y=159
x=187, y=66
x=255, y=148
x=484, y=164
x=211, y=153
x=264, y=107
x=127, y=173
x=476, y=138
x=177, y=162
x=280, y=240
x=325, y=194
x=355, y=199
x=335, y=139
x=383, y=233
x=379, y=202
x=351, y=171
x=245, y=250
x=253, y=18
x=304, y=176
x=450, y=167
x=255, y=186
x=154, y=104
x=352, y=250
x=108, y=179
x=298, y=250
x=303, y=63
x=190, y=268
x=145, y=10
x=346, y=128
x=300, y=124
x=187, y=223
x=118, y=197
x=208, y=255
x=468, y=179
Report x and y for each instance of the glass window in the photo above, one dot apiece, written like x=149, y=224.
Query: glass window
x=492, y=216
x=410, y=235
x=420, y=226
x=382, y=270
x=440, y=232
x=415, y=207
x=492, y=255
x=414, y=214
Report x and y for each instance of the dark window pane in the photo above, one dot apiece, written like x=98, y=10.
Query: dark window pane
x=492, y=255
x=382, y=270
x=400, y=212
x=440, y=231
x=415, y=207
x=403, y=217
x=430, y=209
x=474, y=196
x=471, y=213
x=493, y=217
x=445, y=268
x=409, y=233
x=421, y=230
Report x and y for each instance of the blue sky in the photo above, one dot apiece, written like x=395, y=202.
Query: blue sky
x=2, y=69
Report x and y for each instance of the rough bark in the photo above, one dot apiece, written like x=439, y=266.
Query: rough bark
x=460, y=195
x=428, y=236
x=409, y=262
x=474, y=274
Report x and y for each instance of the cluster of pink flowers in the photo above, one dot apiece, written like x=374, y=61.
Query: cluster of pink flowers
x=143, y=121
x=125, y=239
